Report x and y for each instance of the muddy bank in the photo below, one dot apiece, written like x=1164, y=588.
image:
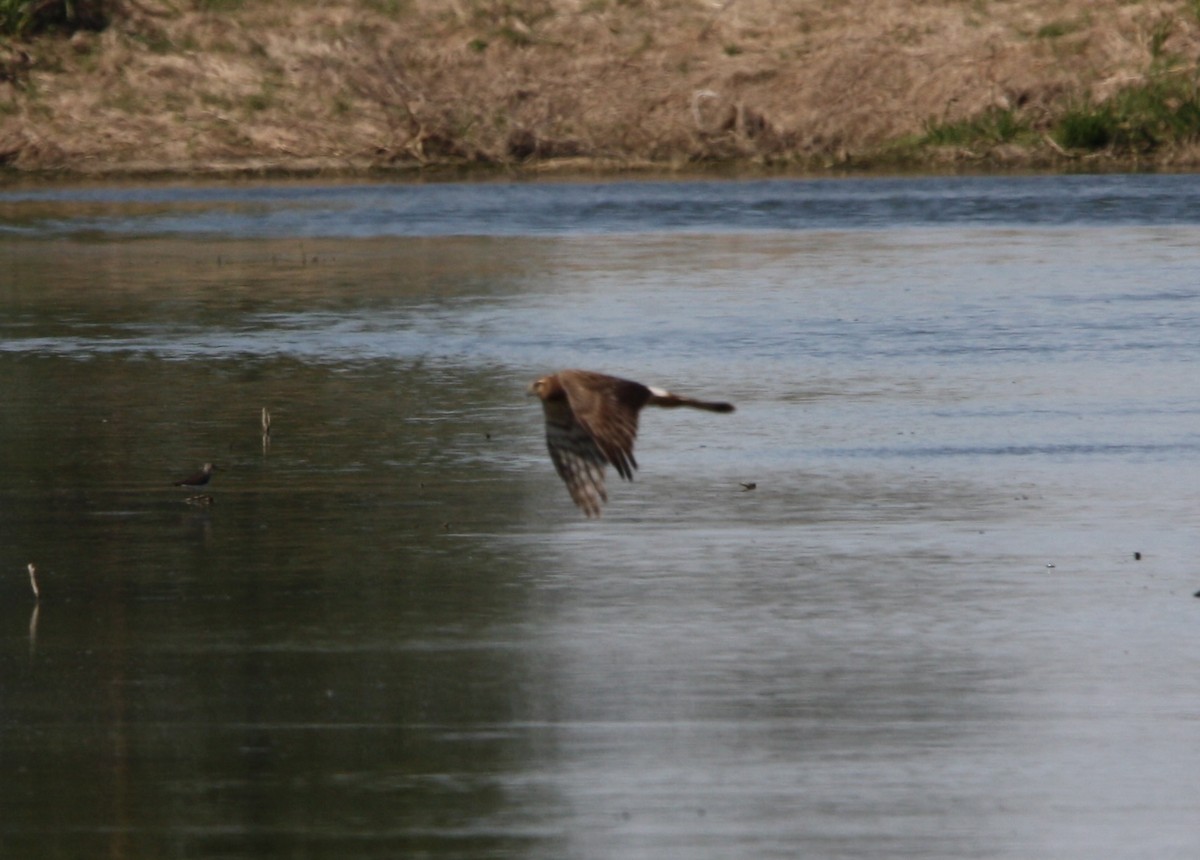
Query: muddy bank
x=298, y=88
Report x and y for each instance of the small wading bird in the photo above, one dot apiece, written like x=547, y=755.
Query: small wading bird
x=199, y=479
x=591, y=421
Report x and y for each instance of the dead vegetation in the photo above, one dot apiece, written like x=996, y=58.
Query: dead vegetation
x=306, y=86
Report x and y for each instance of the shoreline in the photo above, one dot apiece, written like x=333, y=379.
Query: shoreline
x=425, y=90
x=311, y=170
x=265, y=167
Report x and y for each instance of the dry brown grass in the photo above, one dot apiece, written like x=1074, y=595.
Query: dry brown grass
x=307, y=85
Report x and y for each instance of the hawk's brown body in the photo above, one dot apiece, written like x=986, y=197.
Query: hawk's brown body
x=591, y=421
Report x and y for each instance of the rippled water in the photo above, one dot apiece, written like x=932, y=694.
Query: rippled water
x=525, y=209
x=952, y=619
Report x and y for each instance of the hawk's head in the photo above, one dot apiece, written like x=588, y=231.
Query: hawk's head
x=547, y=388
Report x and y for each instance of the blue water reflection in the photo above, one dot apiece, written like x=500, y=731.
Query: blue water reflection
x=564, y=208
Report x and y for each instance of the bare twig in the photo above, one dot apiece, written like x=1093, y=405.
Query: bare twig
x=1057, y=147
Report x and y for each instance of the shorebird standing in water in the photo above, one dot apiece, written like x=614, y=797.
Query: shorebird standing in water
x=199, y=479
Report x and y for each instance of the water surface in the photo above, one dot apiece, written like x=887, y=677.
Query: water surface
x=965, y=403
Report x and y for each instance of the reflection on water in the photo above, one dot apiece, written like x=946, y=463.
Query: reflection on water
x=924, y=632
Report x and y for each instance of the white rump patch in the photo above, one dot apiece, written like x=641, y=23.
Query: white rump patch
x=658, y=392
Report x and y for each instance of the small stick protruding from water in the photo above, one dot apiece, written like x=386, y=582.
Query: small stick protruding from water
x=33, y=622
x=266, y=421
x=33, y=581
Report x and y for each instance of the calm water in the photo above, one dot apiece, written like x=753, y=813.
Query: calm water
x=966, y=404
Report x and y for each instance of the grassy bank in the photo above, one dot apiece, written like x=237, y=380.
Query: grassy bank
x=204, y=86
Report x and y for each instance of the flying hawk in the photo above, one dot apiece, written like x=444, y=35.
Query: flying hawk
x=591, y=421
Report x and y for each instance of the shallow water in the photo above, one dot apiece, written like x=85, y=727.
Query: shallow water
x=966, y=405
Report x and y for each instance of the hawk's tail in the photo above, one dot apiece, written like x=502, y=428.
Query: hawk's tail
x=658, y=397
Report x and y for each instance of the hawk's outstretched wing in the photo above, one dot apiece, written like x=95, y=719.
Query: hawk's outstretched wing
x=607, y=409
x=577, y=459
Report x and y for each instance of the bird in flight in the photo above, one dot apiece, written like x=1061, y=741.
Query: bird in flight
x=591, y=421
x=199, y=479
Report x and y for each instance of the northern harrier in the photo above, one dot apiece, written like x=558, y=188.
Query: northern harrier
x=591, y=420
